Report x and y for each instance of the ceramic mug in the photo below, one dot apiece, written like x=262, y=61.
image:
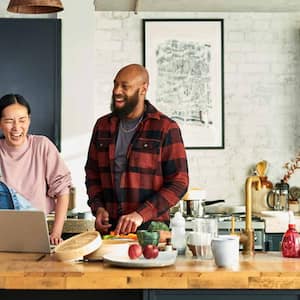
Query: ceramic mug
x=225, y=249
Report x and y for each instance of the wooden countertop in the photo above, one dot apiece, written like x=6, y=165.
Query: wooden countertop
x=35, y=271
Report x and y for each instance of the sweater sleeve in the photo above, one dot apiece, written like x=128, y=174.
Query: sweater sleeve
x=58, y=176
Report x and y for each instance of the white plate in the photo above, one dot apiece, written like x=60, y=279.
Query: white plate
x=164, y=258
x=275, y=214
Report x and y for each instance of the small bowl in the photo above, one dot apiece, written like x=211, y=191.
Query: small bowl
x=117, y=247
x=147, y=237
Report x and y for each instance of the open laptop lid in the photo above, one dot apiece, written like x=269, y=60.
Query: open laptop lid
x=24, y=231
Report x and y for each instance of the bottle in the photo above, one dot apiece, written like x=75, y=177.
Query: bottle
x=178, y=240
x=290, y=245
x=168, y=245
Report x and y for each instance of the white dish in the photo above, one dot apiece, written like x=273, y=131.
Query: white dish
x=111, y=246
x=165, y=258
x=275, y=213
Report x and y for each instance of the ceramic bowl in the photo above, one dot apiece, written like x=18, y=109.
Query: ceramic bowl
x=117, y=246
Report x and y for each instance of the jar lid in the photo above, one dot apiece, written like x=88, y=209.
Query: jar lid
x=283, y=186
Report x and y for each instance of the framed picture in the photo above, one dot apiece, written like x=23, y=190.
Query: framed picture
x=185, y=63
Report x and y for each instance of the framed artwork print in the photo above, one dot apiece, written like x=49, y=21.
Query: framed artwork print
x=184, y=59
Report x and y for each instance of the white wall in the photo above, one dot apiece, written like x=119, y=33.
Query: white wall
x=261, y=72
x=78, y=105
x=262, y=66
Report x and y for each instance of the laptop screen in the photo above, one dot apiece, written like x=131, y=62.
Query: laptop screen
x=24, y=231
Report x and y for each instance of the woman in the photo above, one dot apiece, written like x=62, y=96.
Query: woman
x=31, y=164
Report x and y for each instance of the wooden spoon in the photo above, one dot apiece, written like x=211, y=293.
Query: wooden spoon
x=261, y=168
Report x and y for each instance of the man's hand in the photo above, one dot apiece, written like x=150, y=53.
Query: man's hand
x=102, y=220
x=129, y=223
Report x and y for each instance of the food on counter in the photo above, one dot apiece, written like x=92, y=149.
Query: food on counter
x=134, y=251
x=157, y=226
x=112, y=235
x=164, y=235
x=162, y=228
x=150, y=251
x=146, y=237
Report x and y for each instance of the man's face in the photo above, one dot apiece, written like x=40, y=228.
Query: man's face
x=128, y=93
x=124, y=105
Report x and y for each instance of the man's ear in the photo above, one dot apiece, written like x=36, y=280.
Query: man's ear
x=144, y=88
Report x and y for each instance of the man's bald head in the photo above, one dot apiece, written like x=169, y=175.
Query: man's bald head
x=136, y=71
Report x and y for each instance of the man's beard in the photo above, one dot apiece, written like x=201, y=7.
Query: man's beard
x=130, y=104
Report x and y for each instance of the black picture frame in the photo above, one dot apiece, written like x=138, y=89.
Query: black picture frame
x=185, y=61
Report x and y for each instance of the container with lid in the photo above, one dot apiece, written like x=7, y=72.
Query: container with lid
x=290, y=245
x=278, y=198
x=177, y=225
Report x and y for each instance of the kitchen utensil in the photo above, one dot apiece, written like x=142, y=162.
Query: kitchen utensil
x=225, y=209
x=280, y=196
x=196, y=208
x=261, y=168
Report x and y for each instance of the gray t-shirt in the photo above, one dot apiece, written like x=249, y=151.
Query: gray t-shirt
x=127, y=129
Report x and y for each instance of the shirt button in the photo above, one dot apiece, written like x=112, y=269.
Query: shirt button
x=145, y=145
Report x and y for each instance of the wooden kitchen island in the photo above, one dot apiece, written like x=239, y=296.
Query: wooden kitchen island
x=263, y=276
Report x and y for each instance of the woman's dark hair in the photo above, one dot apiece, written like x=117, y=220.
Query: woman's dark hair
x=10, y=99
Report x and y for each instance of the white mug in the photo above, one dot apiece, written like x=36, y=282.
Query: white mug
x=225, y=249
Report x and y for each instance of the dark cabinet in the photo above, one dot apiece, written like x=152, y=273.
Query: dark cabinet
x=30, y=60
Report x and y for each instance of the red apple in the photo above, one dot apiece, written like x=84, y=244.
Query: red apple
x=155, y=252
x=134, y=251
x=150, y=251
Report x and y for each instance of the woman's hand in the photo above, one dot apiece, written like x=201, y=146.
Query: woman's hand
x=55, y=239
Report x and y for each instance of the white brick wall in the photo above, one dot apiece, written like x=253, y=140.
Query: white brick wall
x=261, y=72
x=261, y=80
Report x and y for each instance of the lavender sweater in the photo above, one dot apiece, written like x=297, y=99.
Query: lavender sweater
x=36, y=171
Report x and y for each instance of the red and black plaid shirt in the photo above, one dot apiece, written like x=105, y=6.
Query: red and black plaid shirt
x=156, y=175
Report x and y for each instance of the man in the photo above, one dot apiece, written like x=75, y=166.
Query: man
x=136, y=167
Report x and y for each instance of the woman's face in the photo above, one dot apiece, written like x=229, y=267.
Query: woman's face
x=14, y=124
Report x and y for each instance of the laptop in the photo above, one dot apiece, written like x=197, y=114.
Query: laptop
x=24, y=231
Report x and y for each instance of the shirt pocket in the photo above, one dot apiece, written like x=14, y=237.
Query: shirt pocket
x=102, y=146
x=145, y=154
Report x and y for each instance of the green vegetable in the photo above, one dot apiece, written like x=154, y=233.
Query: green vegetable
x=157, y=226
x=108, y=237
